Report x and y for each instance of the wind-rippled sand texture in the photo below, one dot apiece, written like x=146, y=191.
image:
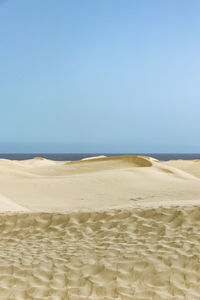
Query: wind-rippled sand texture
x=135, y=253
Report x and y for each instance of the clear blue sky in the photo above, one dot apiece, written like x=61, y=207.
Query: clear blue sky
x=99, y=76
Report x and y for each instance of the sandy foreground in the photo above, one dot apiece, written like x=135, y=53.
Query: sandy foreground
x=125, y=227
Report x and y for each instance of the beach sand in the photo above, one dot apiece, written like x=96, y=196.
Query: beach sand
x=123, y=227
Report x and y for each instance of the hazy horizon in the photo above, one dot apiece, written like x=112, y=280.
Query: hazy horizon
x=87, y=148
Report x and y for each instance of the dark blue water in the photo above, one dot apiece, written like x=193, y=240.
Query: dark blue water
x=78, y=156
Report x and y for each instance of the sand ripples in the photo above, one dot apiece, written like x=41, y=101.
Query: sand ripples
x=139, y=253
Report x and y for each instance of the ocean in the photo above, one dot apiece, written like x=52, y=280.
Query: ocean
x=78, y=156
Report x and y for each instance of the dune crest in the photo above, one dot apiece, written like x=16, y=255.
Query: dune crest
x=94, y=157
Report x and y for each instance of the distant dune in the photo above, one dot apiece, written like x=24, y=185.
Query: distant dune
x=41, y=184
x=122, y=227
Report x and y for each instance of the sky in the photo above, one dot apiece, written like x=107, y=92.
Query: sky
x=100, y=76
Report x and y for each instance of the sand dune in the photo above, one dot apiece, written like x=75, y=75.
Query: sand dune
x=103, y=228
x=41, y=184
x=189, y=166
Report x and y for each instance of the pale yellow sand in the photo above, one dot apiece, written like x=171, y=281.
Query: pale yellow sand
x=7, y=205
x=103, y=228
x=40, y=184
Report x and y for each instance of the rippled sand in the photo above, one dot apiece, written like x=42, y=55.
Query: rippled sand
x=142, y=248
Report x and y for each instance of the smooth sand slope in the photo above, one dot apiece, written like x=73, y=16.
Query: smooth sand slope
x=104, y=228
x=7, y=205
